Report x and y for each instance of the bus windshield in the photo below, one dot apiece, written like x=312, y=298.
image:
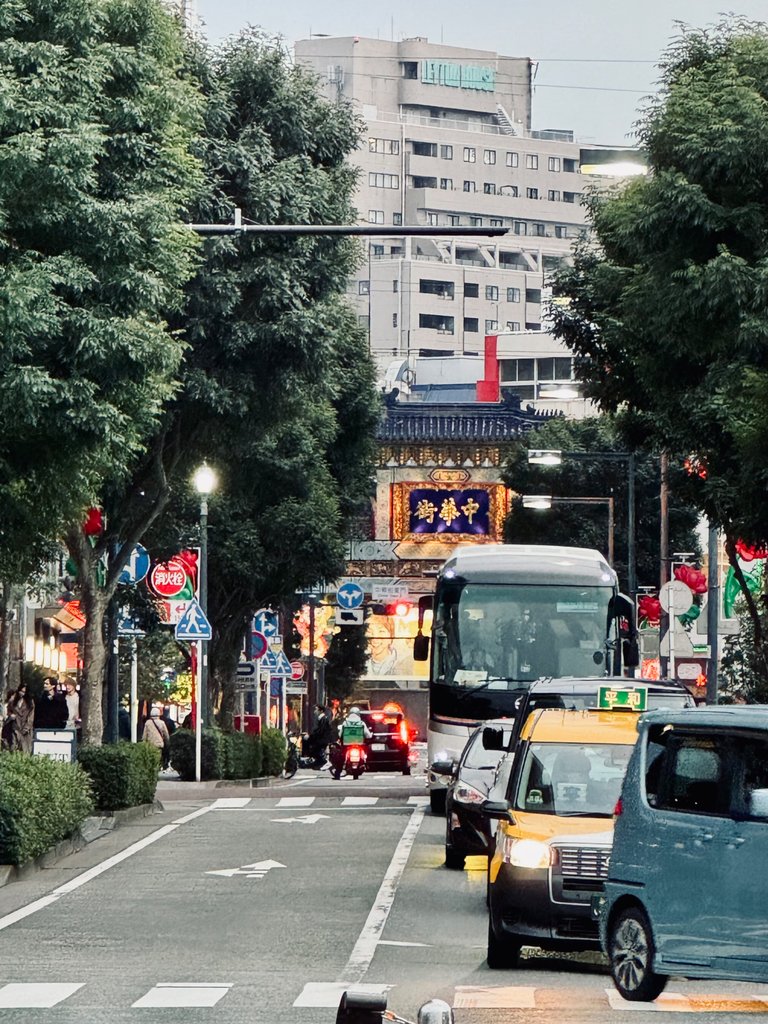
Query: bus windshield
x=489, y=636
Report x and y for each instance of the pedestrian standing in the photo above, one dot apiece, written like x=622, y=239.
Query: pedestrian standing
x=72, y=698
x=21, y=713
x=51, y=707
x=156, y=734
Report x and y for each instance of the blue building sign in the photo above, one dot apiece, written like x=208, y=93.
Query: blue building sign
x=458, y=76
x=438, y=511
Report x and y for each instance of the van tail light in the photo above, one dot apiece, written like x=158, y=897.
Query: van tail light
x=618, y=808
x=404, y=731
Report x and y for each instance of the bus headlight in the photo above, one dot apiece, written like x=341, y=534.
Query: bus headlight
x=526, y=853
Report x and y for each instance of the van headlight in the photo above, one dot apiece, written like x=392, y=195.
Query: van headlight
x=465, y=794
x=526, y=853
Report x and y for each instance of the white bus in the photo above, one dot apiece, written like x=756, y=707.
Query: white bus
x=505, y=615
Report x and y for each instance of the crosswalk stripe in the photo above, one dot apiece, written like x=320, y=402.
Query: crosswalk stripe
x=359, y=801
x=232, y=801
x=418, y=801
x=482, y=997
x=38, y=995
x=295, y=801
x=326, y=994
x=181, y=994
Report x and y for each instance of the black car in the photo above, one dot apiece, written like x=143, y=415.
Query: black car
x=574, y=693
x=389, y=748
x=467, y=829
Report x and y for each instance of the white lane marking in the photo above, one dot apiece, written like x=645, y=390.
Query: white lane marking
x=305, y=819
x=231, y=801
x=393, y=942
x=418, y=801
x=32, y=908
x=365, y=947
x=258, y=870
x=27, y=995
x=479, y=997
x=192, y=815
x=295, y=801
x=180, y=994
x=675, y=1002
x=105, y=865
x=327, y=994
x=359, y=801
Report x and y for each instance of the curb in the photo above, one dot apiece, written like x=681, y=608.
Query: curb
x=89, y=830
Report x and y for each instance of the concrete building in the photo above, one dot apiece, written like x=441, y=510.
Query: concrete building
x=449, y=143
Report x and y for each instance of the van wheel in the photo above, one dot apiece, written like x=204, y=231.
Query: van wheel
x=437, y=801
x=502, y=953
x=630, y=951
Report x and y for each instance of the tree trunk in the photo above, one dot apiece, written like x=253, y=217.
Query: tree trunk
x=94, y=604
x=225, y=654
x=6, y=634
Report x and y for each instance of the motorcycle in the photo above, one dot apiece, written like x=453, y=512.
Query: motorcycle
x=352, y=759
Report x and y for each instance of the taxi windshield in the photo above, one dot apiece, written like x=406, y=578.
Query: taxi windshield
x=572, y=779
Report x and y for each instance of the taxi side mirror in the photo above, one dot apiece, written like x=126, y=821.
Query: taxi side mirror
x=497, y=809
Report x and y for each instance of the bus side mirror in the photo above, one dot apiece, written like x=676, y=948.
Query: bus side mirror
x=631, y=653
x=421, y=647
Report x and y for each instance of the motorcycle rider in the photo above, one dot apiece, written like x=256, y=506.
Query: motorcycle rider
x=316, y=744
x=352, y=732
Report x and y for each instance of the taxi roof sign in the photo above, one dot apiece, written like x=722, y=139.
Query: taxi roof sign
x=629, y=698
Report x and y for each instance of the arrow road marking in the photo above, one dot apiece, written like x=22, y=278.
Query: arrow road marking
x=307, y=819
x=258, y=870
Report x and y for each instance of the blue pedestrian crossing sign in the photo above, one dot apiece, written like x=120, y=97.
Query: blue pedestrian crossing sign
x=283, y=667
x=265, y=622
x=193, y=625
x=269, y=661
x=349, y=595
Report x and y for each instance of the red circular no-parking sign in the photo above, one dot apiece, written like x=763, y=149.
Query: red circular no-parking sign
x=297, y=670
x=167, y=579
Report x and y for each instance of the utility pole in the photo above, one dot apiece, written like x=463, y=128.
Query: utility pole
x=713, y=604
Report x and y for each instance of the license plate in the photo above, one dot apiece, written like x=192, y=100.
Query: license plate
x=378, y=746
x=598, y=899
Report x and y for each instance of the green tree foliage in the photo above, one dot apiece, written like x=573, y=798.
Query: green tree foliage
x=587, y=525
x=668, y=313
x=346, y=661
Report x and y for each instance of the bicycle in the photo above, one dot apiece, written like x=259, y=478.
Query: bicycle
x=291, y=765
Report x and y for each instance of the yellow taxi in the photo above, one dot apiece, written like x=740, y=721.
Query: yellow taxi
x=553, y=840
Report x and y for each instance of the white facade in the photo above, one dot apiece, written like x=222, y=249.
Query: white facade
x=448, y=143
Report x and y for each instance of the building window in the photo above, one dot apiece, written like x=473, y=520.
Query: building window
x=377, y=250
x=446, y=184
x=489, y=188
x=471, y=325
x=513, y=295
x=410, y=68
x=570, y=166
x=561, y=231
x=397, y=219
x=514, y=191
x=375, y=216
x=513, y=159
x=471, y=290
x=513, y=325
x=497, y=222
x=435, y=322
x=395, y=285
x=425, y=149
x=432, y=219
x=469, y=186
x=532, y=161
x=363, y=287
x=532, y=193
x=571, y=197
x=539, y=229
x=470, y=155
x=394, y=319
x=377, y=180
x=555, y=369
x=491, y=326
x=364, y=322
x=390, y=147
x=533, y=295
x=533, y=327
x=492, y=292
x=476, y=222
x=446, y=152
x=444, y=289
x=489, y=156
x=553, y=163
x=419, y=181
x=520, y=227
x=396, y=250
x=553, y=195
x=454, y=219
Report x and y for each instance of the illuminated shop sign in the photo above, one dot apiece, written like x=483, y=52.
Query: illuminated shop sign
x=458, y=76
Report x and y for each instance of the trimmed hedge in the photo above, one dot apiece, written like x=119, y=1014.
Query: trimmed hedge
x=227, y=755
x=41, y=802
x=275, y=748
x=123, y=774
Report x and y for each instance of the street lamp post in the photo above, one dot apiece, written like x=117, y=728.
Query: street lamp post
x=545, y=501
x=553, y=457
x=205, y=483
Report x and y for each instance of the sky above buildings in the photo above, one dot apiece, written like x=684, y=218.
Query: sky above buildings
x=597, y=58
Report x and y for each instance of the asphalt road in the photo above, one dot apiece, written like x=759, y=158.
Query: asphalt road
x=263, y=905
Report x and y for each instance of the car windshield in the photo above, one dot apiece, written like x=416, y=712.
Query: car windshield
x=572, y=779
x=478, y=757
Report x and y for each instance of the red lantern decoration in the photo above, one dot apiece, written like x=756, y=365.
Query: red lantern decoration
x=649, y=609
x=692, y=577
x=94, y=522
x=748, y=552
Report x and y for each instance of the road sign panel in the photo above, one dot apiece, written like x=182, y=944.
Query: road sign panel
x=349, y=595
x=297, y=670
x=126, y=626
x=193, y=625
x=137, y=567
x=167, y=579
x=350, y=616
x=283, y=666
x=265, y=621
x=269, y=661
x=258, y=645
x=247, y=670
x=389, y=591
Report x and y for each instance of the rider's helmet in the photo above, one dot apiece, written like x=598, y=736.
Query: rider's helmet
x=354, y=710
